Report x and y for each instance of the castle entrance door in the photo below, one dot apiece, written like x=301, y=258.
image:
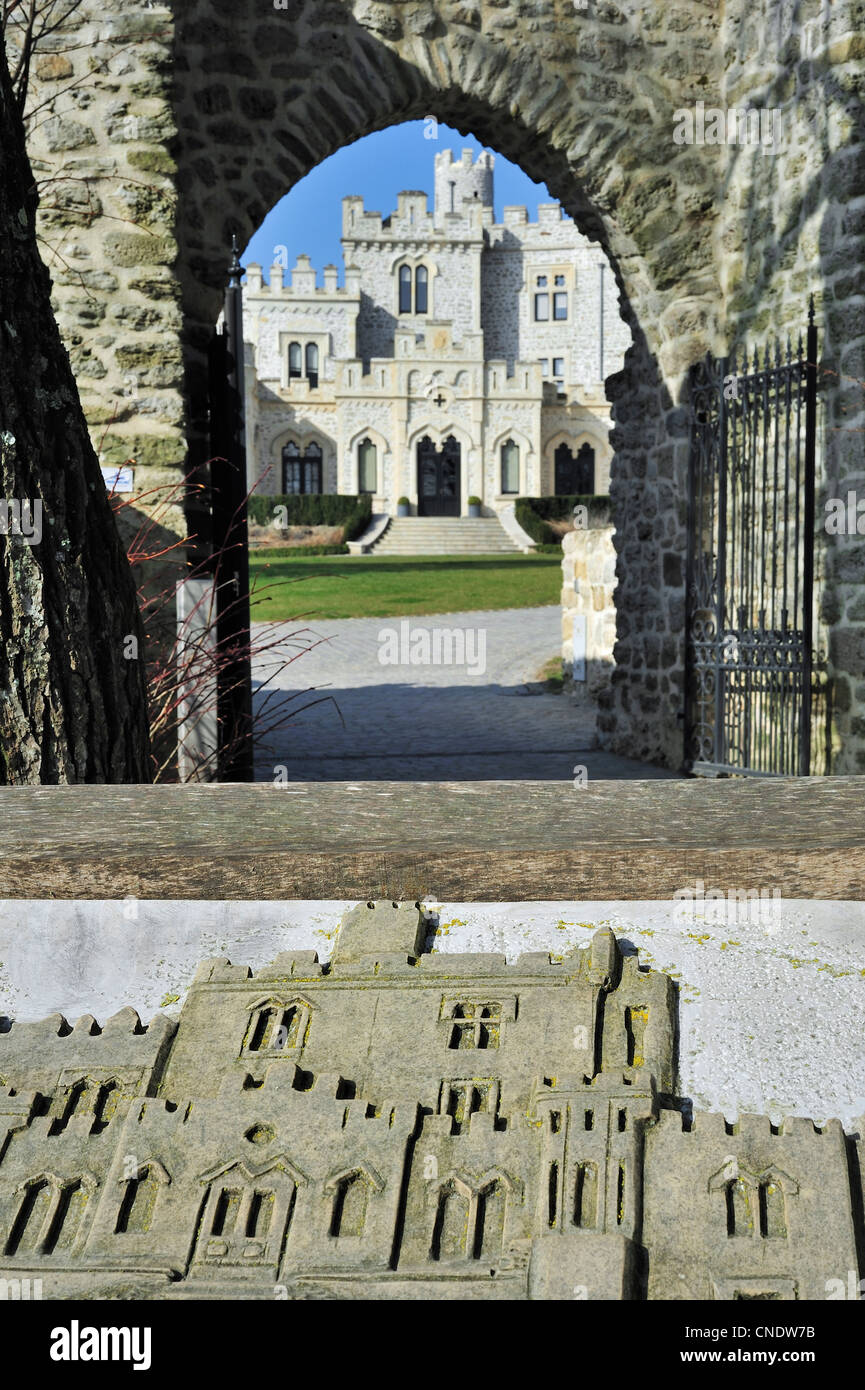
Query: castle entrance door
x=438, y=478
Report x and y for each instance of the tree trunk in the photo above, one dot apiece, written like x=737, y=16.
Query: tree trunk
x=73, y=706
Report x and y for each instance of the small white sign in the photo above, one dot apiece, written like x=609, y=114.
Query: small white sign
x=579, y=641
x=118, y=478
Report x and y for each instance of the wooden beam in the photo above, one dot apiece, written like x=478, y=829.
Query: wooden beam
x=457, y=841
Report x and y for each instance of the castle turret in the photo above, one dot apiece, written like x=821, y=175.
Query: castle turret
x=462, y=181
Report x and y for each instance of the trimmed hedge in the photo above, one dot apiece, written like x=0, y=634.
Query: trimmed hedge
x=352, y=513
x=299, y=552
x=533, y=513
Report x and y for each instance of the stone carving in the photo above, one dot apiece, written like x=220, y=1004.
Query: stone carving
x=403, y=1124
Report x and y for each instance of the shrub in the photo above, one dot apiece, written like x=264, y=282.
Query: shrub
x=534, y=513
x=350, y=512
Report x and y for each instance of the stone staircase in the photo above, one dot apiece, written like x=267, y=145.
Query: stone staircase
x=445, y=535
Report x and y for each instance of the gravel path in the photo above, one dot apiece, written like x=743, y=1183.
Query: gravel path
x=407, y=700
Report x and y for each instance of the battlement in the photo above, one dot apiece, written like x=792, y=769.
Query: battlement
x=746, y=1127
x=301, y=283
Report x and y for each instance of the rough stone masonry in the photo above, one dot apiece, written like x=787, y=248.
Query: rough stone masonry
x=169, y=127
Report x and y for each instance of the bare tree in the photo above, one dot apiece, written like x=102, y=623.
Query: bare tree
x=25, y=24
x=72, y=696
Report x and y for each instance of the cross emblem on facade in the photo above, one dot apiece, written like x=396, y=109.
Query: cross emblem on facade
x=439, y=399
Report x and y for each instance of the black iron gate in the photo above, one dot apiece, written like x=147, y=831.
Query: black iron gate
x=750, y=580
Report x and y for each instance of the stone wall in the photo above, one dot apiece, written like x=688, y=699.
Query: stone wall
x=589, y=617
x=168, y=129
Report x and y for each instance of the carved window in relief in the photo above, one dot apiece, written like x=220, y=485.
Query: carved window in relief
x=755, y=1206
x=276, y=1027
x=470, y=1218
x=88, y=1097
x=350, y=1201
x=50, y=1215
x=475, y=1025
x=451, y=1226
x=462, y=1099
x=585, y=1212
x=246, y=1213
x=135, y=1214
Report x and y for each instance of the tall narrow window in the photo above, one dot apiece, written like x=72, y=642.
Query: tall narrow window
x=542, y=307
x=291, y=479
x=294, y=360
x=560, y=304
x=421, y=279
x=510, y=467
x=367, y=466
x=312, y=364
x=405, y=289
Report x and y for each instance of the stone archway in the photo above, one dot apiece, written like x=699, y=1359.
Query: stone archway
x=204, y=113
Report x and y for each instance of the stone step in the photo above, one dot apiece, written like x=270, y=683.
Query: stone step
x=430, y=535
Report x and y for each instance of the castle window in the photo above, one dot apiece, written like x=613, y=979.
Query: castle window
x=559, y=369
x=277, y=1028
x=475, y=1026
x=541, y=282
x=139, y=1199
x=348, y=1215
x=560, y=304
x=510, y=467
x=301, y=473
x=542, y=307
x=558, y=280
x=295, y=359
x=405, y=289
x=545, y=367
x=367, y=466
x=421, y=281
x=312, y=366
x=585, y=1195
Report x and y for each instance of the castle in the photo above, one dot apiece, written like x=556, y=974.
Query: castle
x=462, y=357
x=399, y=1123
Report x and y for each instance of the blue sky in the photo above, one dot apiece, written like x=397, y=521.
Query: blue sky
x=378, y=167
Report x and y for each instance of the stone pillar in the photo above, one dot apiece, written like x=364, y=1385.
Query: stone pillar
x=588, y=610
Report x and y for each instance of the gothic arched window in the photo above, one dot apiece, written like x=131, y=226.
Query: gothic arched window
x=367, y=466
x=405, y=289
x=421, y=283
x=510, y=467
x=295, y=365
x=312, y=364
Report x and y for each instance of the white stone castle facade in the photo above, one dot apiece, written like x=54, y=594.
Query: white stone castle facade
x=462, y=357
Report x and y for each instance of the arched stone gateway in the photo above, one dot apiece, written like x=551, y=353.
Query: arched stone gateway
x=173, y=127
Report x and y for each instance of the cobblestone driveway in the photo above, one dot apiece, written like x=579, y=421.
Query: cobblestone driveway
x=479, y=721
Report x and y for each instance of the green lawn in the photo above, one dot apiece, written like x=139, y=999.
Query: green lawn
x=342, y=586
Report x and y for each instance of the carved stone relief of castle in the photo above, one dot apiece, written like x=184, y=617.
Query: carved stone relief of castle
x=405, y=1124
